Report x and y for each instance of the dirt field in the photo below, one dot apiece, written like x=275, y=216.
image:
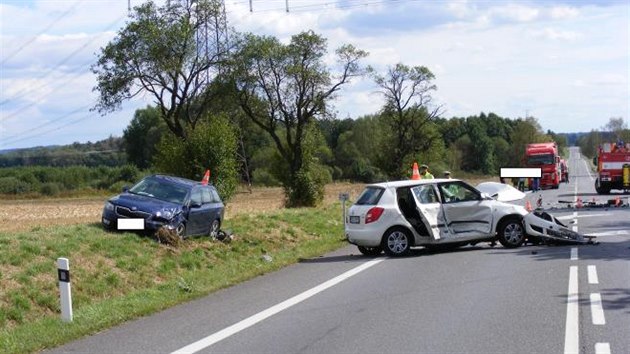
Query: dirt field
x=21, y=215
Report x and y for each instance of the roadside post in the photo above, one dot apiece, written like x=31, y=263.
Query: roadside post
x=63, y=272
x=343, y=197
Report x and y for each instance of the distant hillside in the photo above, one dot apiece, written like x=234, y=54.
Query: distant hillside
x=107, y=152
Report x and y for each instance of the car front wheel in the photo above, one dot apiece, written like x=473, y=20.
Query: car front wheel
x=511, y=233
x=396, y=242
x=370, y=251
x=214, y=228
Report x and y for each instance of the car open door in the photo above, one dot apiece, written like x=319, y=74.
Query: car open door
x=467, y=212
x=430, y=210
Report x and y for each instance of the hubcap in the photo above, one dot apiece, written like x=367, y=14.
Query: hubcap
x=214, y=229
x=513, y=233
x=397, y=242
x=180, y=230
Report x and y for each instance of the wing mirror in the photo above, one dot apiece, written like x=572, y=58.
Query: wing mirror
x=486, y=196
x=125, y=189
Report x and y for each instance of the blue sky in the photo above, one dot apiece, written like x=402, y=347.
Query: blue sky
x=566, y=63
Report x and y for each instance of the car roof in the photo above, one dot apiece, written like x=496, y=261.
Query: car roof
x=410, y=182
x=179, y=180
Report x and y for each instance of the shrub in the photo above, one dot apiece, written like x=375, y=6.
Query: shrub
x=12, y=185
x=50, y=188
x=262, y=176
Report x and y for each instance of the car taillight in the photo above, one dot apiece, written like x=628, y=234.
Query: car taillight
x=373, y=214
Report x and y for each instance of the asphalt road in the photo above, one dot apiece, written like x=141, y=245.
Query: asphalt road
x=534, y=299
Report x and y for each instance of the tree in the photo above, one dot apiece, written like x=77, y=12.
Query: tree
x=157, y=53
x=284, y=88
x=407, y=111
x=142, y=135
x=619, y=128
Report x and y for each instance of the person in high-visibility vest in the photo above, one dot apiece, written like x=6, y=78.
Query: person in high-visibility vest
x=424, y=172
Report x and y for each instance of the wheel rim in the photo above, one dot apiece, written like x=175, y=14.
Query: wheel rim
x=513, y=233
x=180, y=230
x=397, y=242
x=214, y=229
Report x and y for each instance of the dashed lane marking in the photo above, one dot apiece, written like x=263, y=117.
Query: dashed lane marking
x=597, y=311
x=574, y=254
x=592, y=275
x=602, y=348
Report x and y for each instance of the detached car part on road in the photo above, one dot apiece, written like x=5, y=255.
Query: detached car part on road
x=183, y=205
x=442, y=213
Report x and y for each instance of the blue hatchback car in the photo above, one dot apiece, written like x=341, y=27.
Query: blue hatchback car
x=186, y=206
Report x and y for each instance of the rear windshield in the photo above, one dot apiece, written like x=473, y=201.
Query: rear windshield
x=370, y=196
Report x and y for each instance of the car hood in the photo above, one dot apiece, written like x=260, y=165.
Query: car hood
x=143, y=203
x=504, y=192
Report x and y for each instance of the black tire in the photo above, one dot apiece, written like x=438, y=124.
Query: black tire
x=601, y=189
x=511, y=232
x=214, y=228
x=370, y=251
x=397, y=241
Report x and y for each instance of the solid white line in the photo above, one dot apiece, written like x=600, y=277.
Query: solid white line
x=592, y=275
x=588, y=170
x=574, y=253
x=597, y=311
x=602, y=348
x=252, y=320
x=572, y=330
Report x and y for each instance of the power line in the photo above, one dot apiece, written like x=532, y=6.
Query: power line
x=31, y=40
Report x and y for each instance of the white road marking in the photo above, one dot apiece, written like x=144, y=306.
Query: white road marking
x=262, y=315
x=588, y=170
x=597, y=311
x=574, y=253
x=602, y=348
x=592, y=275
x=575, y=215
x=610, y=233
x=572, y=329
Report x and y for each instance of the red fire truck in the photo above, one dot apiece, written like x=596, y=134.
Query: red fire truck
x=544, y=156
x=613, y=167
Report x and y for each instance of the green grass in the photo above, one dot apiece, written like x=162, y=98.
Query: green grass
x=120, y=276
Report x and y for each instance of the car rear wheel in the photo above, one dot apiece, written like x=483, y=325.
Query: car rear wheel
x=511, y=233
x=214, y=228
x=370, y=251
x=396, y=241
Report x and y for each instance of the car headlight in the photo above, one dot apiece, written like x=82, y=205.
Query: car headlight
x=165, y=214
x=109, y=206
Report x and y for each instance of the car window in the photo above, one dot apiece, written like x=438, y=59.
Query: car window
x=426, y=194
x=206, y=196
x=458, y=192
x=195, y=197
x=215, y=195
x=160, y=189
x=370, y=196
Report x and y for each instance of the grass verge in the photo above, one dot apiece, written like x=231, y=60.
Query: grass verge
x=117, y=277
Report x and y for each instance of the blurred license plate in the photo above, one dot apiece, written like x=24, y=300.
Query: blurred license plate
x=355, y=219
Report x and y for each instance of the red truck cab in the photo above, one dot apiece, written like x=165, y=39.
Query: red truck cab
x=613, y=167
x=544, y=156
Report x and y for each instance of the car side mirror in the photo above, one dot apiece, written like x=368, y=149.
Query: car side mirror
x=125, y=189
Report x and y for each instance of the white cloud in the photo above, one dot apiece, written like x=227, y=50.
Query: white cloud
x=563, y=12
x=556, y=34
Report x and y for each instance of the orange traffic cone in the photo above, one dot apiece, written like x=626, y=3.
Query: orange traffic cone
x=528, y=206
x=415, y=174
x=206, y=178
x=617, y=201
x=578, y=204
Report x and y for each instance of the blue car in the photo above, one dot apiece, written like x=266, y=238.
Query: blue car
x=186, y=206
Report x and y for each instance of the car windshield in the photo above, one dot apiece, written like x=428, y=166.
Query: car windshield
x=160, y=189
x=370, y=196
x=546, y=159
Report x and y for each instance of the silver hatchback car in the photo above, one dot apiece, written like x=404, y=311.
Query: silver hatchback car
x=395, y=216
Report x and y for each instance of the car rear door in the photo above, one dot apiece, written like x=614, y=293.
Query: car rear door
x=467, y=213
x=197, y=214
x=430, y=210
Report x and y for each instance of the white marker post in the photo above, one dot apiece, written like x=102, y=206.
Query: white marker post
x=63, y=271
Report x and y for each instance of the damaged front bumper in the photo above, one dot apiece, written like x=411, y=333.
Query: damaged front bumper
x=546, y=227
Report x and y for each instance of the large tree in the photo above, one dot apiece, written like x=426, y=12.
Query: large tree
x=157, y=52
x=284, y=88
x=408, y=110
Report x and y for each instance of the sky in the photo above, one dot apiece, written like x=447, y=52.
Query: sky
x=565, y=63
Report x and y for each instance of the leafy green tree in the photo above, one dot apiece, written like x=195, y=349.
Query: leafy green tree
x=212, y=145
x=142, y=135
x=284, y=88
x=407, y=111
x=157, y=53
